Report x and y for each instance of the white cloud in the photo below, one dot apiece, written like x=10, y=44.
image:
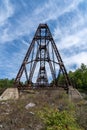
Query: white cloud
x=6, y=11
x=76, y=59
x=53, y=9
x=77, y=39
x=66, y=38
x=50, y=11
x=72, y=41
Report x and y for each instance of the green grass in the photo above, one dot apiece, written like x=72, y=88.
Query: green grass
x=58, y=120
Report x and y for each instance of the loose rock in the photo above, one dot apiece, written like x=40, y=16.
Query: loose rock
x=30, y=105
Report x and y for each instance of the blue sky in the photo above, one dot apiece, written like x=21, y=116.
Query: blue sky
x=19, y=19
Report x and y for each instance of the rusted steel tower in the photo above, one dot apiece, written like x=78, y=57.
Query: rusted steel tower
x=42, y=51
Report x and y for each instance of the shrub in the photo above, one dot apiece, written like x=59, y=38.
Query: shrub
x=56, y=120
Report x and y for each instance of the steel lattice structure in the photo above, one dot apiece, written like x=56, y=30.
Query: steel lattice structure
x=42, y=51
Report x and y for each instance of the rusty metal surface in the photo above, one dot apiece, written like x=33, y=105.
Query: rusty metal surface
x=40, y=44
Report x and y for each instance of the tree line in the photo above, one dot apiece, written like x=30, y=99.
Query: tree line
x=5, y=83
x=78, y=79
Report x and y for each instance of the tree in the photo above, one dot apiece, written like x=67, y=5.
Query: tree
x=78, y=77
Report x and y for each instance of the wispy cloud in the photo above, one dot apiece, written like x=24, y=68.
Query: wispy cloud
x=75, y=60
x=71, y=38
x=19, y=20
x=6, y=11
x=51, y=10
x=25, y=24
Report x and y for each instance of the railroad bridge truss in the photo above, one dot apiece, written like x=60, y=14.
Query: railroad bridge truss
x=42, y=63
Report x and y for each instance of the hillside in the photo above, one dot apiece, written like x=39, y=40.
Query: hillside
x=34, y=109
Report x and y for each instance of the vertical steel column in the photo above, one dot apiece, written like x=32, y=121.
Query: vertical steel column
x=43, y=38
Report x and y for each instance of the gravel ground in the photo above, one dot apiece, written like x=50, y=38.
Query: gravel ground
x=16, y=115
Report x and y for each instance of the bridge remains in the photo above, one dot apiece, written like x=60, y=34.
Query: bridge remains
x=42, y=56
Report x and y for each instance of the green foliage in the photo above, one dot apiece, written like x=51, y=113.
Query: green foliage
x=56, y=120
x=81, y=114
x=5, y=83
x=78, y=78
